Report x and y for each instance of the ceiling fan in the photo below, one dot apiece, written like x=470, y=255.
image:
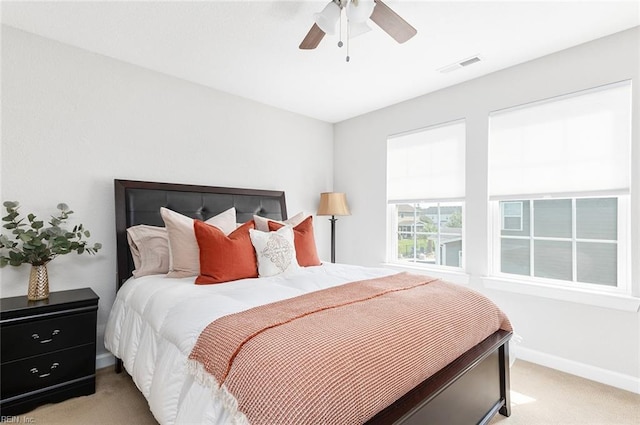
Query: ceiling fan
x=357, y=11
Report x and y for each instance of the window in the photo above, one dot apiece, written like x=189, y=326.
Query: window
x=559, y=177
x=425, y=193
x=429, y=233
x=550, y=246
x=511, y=215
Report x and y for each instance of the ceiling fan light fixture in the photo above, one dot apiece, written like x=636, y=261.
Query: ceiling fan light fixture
x=360, y=10
x=327, y=20
x=357, y=12
x=358, y=28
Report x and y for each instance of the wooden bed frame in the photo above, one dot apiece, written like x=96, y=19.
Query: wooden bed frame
x=470, y=390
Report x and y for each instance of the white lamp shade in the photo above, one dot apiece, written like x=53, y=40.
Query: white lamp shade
x=327, y=20
x=360, y=10
x=358, y=28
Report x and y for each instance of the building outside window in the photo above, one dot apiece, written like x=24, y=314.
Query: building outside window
x=550, y=246
x=511, y=214
x=429, y=233
x=425, y=193
x=559, y=178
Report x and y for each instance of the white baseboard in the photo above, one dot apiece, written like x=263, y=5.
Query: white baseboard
x=105, y=360
x=593, y=373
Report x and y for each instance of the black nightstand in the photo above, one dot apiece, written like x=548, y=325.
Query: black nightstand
x=47, y=349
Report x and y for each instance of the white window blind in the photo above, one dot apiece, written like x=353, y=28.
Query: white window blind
x=578, y=143
x=427, y=164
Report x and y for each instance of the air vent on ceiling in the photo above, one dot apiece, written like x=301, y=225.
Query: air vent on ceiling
x=460, y=64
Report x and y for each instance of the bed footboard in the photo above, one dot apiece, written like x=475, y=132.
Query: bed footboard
x=470, y=390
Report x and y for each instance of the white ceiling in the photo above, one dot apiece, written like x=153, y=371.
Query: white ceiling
x=250, y=48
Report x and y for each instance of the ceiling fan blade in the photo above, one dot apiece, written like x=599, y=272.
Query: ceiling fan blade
x=313, y=38
x=392, y=23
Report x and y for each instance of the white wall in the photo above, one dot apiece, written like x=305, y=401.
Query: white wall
x=560, y=333
x=72, y=121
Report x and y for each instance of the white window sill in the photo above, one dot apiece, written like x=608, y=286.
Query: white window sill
x=449, y=275
x=580, y=296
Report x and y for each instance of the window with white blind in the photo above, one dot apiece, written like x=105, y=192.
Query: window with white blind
x=425, y=194
x=559, y=179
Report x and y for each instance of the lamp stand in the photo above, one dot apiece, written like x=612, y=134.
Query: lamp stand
x=333, y=220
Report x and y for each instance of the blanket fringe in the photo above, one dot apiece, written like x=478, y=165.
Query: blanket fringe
x=229, y=402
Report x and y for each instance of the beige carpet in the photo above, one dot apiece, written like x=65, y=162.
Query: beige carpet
x=545, y=396
x=540, y=396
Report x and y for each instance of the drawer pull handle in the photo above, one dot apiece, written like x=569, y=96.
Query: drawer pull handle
x=44, y=375
x=54, y=333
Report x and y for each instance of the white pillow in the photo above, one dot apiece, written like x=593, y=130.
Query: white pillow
x=262, y=223
x=275, y=251
x=184, y=253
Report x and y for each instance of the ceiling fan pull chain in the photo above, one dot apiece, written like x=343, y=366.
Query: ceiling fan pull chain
x=348, y=37
x=340, y=44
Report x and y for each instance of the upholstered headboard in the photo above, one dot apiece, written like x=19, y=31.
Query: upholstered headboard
x=139, y=202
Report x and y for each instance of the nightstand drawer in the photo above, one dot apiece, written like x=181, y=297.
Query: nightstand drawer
x=43, y=371
x=44, y=336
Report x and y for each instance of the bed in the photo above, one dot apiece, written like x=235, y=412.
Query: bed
x=154, y=347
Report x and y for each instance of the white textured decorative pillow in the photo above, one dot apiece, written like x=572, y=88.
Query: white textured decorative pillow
x=183, y=246
x=149, y=247
x=275, y=251
x=262, y=223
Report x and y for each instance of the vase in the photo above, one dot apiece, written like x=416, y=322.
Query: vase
x=38, y=283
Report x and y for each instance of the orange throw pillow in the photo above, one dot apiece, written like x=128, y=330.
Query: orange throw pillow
x=304, y=241
x=225, y=258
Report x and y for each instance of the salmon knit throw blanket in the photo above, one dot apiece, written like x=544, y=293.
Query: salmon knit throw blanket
x=339, y=355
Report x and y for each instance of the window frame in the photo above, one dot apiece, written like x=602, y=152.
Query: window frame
x=544, y=178
x=455, y=195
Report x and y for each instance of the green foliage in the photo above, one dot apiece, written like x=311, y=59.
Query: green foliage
x=455, y=220
x=429, y=225
x=36, y=244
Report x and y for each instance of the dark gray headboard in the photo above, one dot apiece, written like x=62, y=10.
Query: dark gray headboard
x=139, y=202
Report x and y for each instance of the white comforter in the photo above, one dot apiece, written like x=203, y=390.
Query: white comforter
x=155, y=322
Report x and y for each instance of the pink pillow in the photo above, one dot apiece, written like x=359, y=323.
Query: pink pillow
x=262, y=223
x=225, y=258
x=149, y=247
x=183, y=247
